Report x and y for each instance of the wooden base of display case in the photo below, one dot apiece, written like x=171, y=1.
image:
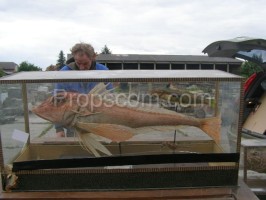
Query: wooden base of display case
x=48, y=167
x=241, y=192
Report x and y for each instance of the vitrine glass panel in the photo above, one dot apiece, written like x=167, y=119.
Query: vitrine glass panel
x=144, y=120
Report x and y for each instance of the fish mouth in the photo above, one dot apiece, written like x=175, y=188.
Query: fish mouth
x=34, y=110
x=43, y=117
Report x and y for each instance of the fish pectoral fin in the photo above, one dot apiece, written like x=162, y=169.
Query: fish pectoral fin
x=114, y=132
x=86, y=144
x=92, y=144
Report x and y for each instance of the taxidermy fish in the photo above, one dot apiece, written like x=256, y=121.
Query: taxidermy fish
x=90, y=114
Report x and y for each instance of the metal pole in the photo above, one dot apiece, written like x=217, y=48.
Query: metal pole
x=245, y=164
x=25, y=107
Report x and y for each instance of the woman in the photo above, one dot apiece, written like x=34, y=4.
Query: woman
x=83, y=59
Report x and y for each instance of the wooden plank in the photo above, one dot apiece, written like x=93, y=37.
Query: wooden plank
x=253, y=143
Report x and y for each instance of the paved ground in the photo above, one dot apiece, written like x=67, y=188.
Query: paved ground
x=12, y=147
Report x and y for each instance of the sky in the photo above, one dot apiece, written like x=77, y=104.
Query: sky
x=37, y=30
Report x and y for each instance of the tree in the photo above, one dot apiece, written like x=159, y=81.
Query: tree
x=25, y=66
x=61, y=60
x=106, y=50
x=248, y=68
x=2, y=73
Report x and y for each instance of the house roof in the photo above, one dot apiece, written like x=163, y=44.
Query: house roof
x=164, y=58
x=9, y=66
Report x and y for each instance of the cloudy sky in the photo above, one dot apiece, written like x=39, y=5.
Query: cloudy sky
x=36, y=30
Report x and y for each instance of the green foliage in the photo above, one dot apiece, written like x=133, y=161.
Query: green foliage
x=25, y=66
x=61, y=60
x=106, y=50
x=2, y=73
x=248, y=68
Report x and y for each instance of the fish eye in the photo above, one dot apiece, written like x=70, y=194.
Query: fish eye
x=58, y=99
x=61, y=100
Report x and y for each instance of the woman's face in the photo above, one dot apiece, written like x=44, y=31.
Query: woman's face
x=82, y=61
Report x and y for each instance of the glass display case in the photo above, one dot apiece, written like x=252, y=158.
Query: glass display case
x=120, y=130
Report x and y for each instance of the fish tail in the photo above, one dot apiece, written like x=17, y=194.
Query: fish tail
x=212, y=127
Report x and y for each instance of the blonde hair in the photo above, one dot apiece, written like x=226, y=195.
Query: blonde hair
x=84, y=48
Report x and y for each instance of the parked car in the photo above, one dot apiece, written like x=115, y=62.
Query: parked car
x=249, y=49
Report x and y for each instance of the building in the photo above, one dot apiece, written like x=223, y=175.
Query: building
x=168, y=62
x=8, y=67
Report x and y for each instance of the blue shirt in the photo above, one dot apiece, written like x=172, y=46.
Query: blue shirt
x=80, y=87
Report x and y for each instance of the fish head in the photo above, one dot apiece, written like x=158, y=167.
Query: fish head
x=60, y=108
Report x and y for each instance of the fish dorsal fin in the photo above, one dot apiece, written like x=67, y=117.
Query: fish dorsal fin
x=125, y=102
x=100, y=89
x=150, y=108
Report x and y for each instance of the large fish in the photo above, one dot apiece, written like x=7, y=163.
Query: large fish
x=88, y=113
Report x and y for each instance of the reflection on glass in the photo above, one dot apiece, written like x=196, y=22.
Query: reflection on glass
x=11, y=119
x=178, y=117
